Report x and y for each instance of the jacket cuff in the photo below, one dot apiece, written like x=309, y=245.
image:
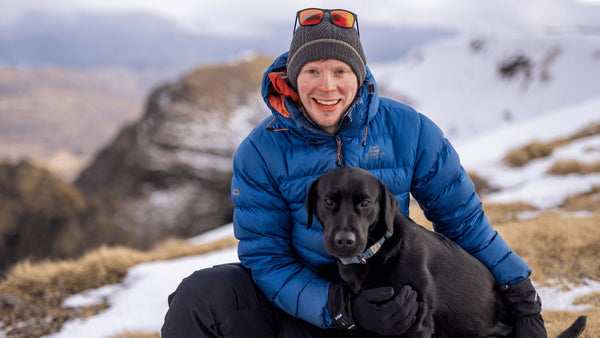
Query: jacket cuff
x=339, y=305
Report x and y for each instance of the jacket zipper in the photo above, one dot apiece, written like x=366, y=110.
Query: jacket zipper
x=340, y=159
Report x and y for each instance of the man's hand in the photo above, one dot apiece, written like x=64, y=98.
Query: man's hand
x=525, y=305
x=377, y=310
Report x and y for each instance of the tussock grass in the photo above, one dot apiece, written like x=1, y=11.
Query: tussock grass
x=499, y=213
x=558, y=321
x=566, y=167
x=32, y=292
x=589, y=201
x=591, y=299
x=482, y=186
x=521, y=156
x=557, y=247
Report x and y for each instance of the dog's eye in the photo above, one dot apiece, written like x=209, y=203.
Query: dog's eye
x=328, y=201
x=365, y=203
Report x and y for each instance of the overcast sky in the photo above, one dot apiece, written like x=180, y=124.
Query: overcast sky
x=251, y=17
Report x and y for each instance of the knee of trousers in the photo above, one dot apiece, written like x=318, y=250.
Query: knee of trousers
x=230, y=286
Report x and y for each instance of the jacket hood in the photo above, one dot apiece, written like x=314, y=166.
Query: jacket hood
x=283, y=101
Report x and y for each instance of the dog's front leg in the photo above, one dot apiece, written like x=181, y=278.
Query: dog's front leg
x=353, y=275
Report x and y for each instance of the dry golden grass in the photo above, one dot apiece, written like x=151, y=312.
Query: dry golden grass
x=592, y=299
x=105, y=265
x=589, y=201
x=561, y=248
x=33, y=292
x=482, y=186
x=521, y=156
x=558, y=321
x=565, y=167
x=557, y=247
x=499, y=213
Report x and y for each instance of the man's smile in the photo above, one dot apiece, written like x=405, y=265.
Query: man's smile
x=328, y=103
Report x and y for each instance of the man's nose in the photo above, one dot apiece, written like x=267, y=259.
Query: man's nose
x=327, y=82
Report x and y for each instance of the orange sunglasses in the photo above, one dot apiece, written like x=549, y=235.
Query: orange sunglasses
x=339, y=17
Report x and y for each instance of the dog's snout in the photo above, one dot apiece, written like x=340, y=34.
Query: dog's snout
x=344, y=239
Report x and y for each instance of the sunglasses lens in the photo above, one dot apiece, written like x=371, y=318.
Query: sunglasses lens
x=342, y=18
x=310, y=17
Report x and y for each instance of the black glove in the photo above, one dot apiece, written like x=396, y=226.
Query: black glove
x=376, y=310
x=525, y=305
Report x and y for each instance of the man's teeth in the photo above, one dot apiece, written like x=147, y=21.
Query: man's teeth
x=327, y=103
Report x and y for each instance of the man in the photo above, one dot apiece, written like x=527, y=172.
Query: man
x=326, y=114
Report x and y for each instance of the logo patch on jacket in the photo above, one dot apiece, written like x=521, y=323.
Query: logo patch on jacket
x=374, y=152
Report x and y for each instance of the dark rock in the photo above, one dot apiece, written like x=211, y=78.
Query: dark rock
x=39, y=215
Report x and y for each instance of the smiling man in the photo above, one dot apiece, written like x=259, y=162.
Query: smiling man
x=326, y=113
x=326, y=88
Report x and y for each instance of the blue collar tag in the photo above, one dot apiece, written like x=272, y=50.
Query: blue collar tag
x=362, y=259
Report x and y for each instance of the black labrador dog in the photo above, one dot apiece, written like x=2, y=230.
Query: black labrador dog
x=376, y=245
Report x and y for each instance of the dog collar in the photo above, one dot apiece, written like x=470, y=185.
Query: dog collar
x=368, y=253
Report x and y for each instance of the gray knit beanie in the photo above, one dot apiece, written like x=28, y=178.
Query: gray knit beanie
x=326, y=40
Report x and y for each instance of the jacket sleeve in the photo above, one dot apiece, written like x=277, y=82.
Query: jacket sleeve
x=262, y=224
x=448, y=198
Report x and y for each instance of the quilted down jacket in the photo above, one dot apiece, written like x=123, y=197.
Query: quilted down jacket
x=276, y=163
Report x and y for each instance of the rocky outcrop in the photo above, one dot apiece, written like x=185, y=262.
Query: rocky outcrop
x=39, y=215
x=44, y=217
x=169, y=173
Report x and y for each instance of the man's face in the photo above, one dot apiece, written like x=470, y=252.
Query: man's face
x=326, y=89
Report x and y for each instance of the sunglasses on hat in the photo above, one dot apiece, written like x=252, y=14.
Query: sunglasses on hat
x=339, y=17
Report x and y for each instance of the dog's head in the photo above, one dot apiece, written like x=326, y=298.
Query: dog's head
x=354, y=207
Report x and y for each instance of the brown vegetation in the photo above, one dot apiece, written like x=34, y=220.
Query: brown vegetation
x=566, y=167
x=587, y=202
x=31, y=296
x=38, y=215
x=558, y=321
x=222, y=88
x=482, y=186
x=557, y=247
x=521, y=156
x=560, y=248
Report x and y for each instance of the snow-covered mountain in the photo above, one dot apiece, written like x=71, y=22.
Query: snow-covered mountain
x=469, y=84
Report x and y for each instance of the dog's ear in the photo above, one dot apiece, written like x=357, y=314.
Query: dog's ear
x=388, y=209
x=311, y=202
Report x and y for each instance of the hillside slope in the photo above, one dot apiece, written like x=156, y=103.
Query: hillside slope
x=469, y=85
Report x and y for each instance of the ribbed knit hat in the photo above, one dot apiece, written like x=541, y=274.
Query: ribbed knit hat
x=326, y=40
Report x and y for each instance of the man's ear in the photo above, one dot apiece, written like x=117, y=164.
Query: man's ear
x=388, y=207
x=311, y=202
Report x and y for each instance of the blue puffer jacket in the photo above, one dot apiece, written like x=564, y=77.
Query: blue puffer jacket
x=276, y=163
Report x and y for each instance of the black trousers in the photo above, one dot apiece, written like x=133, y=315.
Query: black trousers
x=223, y=301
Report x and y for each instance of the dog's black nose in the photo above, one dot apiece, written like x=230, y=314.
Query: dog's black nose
x=344, y=239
